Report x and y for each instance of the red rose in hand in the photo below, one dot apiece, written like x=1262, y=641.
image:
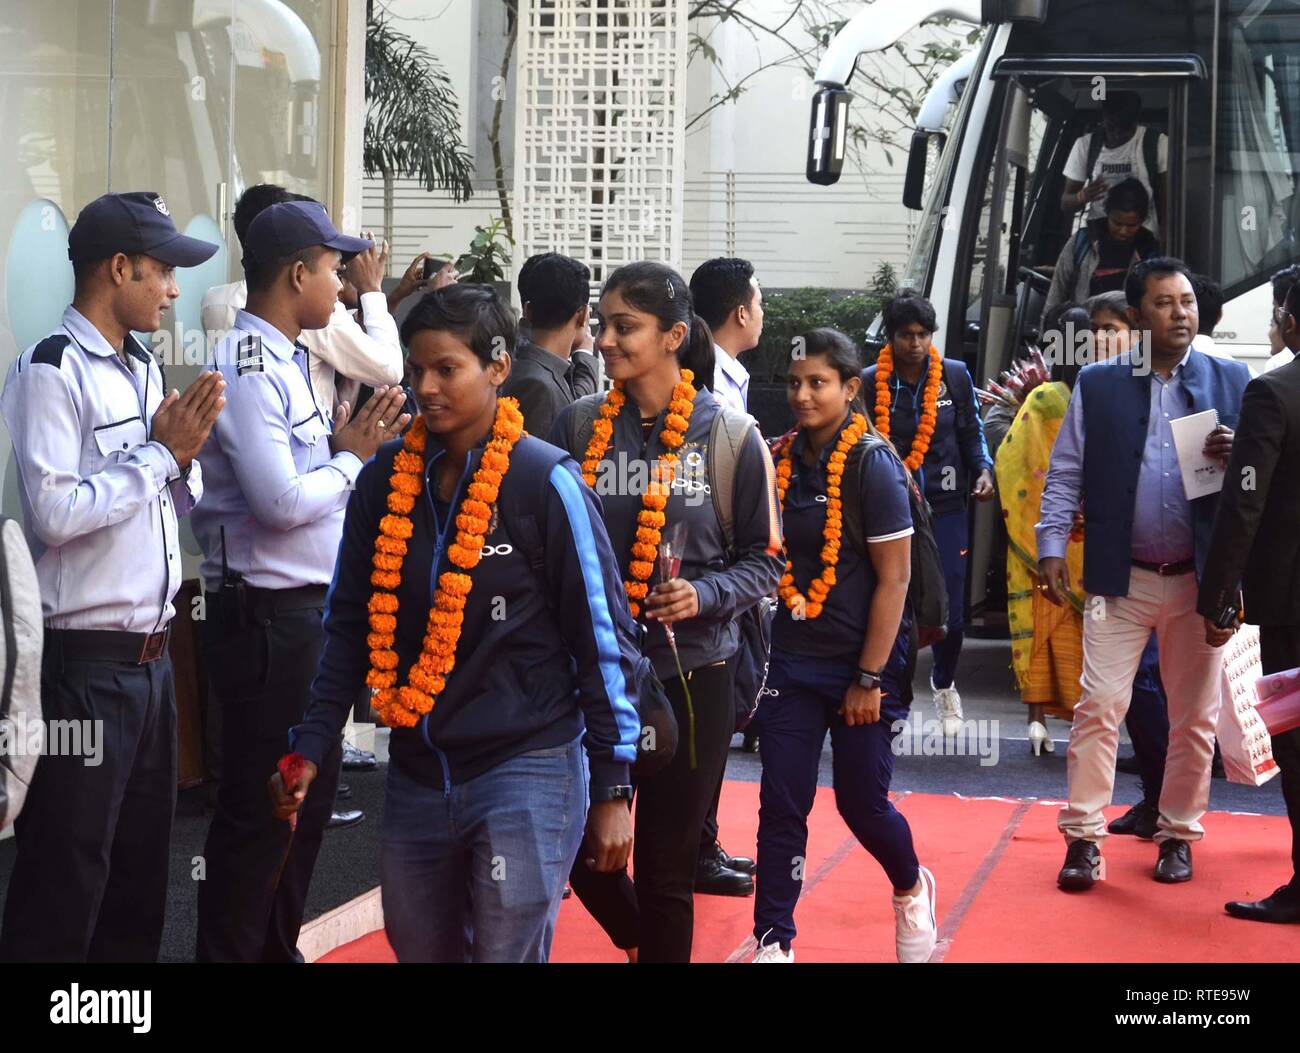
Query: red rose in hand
x=292, y=766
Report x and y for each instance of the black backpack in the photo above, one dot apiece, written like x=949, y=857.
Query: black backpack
x=927, y=595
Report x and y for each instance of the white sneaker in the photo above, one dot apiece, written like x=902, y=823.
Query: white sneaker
x=947, y=704
x=915, y=928
x=771, y=952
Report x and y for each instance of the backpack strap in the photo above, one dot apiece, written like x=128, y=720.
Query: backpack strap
x=1095, y=143
x=960, y=394
x=1082, y=243
x=727, y=437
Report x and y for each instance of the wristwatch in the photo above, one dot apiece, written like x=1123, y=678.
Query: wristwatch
x=868, y=679
x=610, y=793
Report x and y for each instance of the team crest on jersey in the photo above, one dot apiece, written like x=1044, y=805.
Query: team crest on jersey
x=161, y=206
x=943, y=389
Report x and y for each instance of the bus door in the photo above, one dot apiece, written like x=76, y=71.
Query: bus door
x=1015, y=237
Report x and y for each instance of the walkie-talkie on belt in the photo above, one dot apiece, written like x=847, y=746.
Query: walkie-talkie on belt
x=233, y=594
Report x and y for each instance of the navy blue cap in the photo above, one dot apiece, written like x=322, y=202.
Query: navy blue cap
x=134, y=223
x=286, y=228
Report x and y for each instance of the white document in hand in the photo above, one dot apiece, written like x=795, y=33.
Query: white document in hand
x=1201, y=475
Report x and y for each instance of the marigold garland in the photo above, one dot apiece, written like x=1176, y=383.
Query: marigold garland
x=651, y=519
x=929, y=403
x=832, y=532
x=403, y=706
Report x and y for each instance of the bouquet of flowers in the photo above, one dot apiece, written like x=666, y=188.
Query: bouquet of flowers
x=1016, y=382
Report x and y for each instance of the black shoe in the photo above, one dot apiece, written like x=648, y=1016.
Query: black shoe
x=567, y=892
x=343, y=793
x=1128, y=765
x=1282, y=907
x=358, y=760
x=1082, y=866
x=713, y=879
x=347, y=818
x=750, y=744
x=1141, y=820
x=1175, y=862
x=742, y=863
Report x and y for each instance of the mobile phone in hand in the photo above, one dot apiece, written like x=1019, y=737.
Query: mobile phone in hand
x=431, y=267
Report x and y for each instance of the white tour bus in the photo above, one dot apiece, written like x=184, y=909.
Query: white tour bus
x=1220, y=78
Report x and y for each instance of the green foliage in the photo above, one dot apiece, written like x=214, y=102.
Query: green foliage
x=412, y=117
x=884, y=283
x=487, y=257
x=786, y=315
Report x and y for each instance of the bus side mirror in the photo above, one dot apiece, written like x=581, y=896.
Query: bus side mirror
x=826, y=137
x=914, y=180
x=997, y=11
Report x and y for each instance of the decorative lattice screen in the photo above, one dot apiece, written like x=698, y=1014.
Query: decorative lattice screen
x=600, y=130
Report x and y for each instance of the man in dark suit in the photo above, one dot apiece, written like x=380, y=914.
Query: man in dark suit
x=1254, y=542
x=553, y=365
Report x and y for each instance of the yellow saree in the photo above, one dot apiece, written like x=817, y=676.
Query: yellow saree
x=1046, y=640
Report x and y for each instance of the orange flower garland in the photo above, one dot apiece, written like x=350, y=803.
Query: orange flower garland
x=831, y=533
x=929, y=403
x=403, y=706
x=650, y=520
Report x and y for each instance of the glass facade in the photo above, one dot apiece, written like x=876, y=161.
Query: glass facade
x=194, y=99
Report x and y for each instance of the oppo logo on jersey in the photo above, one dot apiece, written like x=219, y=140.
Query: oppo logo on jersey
x=497, y=550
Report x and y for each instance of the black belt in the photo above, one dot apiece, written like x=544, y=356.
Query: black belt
x=105, y=645
x=1167, y=570
x=261, y=603
x=302, y=598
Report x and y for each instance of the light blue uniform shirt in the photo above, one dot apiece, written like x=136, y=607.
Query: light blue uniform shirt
x=99, y=499
x=1162, y=515
x=272, y=482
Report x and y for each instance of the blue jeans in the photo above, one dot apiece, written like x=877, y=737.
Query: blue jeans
x=806, y=694
x=475, y=871
x=950, y=536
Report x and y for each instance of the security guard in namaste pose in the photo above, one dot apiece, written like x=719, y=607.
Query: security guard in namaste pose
x=105, y=458
x=279, y=474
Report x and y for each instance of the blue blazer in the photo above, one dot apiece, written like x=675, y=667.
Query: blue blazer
x=1116, y=412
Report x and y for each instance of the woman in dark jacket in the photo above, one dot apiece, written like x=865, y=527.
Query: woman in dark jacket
x=842, y=654
x=925, y=405
x=655, y=426
x=476, y=593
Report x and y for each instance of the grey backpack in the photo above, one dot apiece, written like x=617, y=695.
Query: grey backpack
x=20, y=663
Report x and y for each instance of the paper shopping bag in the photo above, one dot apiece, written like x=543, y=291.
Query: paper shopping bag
x=1244, y=741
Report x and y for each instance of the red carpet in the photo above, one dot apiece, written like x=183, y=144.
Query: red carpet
x=995, y=863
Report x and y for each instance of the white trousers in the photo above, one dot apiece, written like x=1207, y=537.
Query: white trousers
x=1115, y=632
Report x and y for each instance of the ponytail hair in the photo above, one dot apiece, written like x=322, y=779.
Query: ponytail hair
x=657, y=289
x=697, y=353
